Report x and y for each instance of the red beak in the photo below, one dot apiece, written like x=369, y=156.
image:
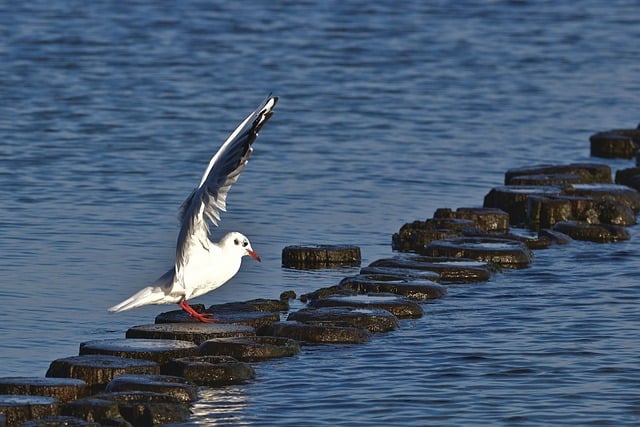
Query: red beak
x=254, y=255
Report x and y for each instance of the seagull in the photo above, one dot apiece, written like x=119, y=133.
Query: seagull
x=202, y=265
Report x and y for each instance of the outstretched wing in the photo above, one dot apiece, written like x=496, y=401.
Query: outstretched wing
x=209, y=198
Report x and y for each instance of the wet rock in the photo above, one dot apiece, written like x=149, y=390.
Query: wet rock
x=319, y=334
x=212, y=371
x=529, y=238
x=610, y=192
x=549, y=179
x=488, y=219
x=287, y=295
x=589, y=172
x=629, y=177
x=142, y=408
x=599, y=233
x=400, y=307
x=617, y=143
x=450, y=270
x=60, y=420
x=328, y=291
x=409, y=288
x=514, y=199
x=18, y=408
x=194, y=332
x=403, y=273
x=256, y=313
x=373, y=319
x=178, y=388
x=319, y=256
x=250, y=349
x=62, y=389
x=506, y=253
x=556, y=237
x=104, y=412
x=98, y=370
x=544, y=212
x=156, y=350
x=413, y=236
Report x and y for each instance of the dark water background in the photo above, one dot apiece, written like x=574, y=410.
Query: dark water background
x=109, y=112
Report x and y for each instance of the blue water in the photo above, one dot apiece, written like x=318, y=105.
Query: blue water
x=109, y=112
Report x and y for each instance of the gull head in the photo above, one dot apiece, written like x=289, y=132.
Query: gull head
x=238, y=243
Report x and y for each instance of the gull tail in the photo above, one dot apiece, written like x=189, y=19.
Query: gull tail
x=157, y=293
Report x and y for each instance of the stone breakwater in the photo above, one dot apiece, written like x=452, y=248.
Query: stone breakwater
x=152, y=375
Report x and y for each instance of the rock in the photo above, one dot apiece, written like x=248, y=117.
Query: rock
x=559, y=179
x=98, y=370
x=523, y=235
x=589, y=172
x=104, y=412
x=142, y=408
x=610, y=192
x=504, y=252
x=325, y=292
x=413, y=236
x=400, y=273
x=617, y=143
x=319, y=334
x=157, y=350
x=60, y=420
x=450, y=270
x=287, y=295
x=319, y=256
x=373, y=319
x=256, y=313
x=178, y=388
x=400, y=307
x=488, y=219
x=409, y=288
x=61, y=389
x=250, y=349
x=18, y=408
x=556, y=237
x=194, y=332
x=599, y=233
x=212, y=371
x=629, y=177
x=514, y=199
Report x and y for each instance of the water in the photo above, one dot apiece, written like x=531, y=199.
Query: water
x=109, y=112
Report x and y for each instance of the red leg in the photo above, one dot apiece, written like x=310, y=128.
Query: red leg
x=203, y=317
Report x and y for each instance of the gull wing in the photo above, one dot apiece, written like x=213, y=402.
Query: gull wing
x=206, y=202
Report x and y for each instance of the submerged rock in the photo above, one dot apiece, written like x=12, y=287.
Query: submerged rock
x=98, y=370
x=176, y=387
x=319, y=333
x=104, y=412
x=18, y=408
x=599, y=233
x=400, y=307
x=400, y=273
x=62, y=389
x=506, y=253
x=250, y=349
x=588, y=172
x=212, y=371
x=414, y=289
x=319, y=256
x=194, y=332
x=450, y=270
x=373, y=319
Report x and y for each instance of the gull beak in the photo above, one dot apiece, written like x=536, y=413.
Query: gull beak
x=254, y=255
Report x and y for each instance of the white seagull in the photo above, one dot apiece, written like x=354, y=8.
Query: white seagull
x=202, y=265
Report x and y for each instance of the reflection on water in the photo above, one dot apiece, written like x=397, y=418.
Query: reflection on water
x=220, y=407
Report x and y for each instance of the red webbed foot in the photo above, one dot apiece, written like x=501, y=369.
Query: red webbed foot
x=202, y=317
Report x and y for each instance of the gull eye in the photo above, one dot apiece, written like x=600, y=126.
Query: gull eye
x=236, y=242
